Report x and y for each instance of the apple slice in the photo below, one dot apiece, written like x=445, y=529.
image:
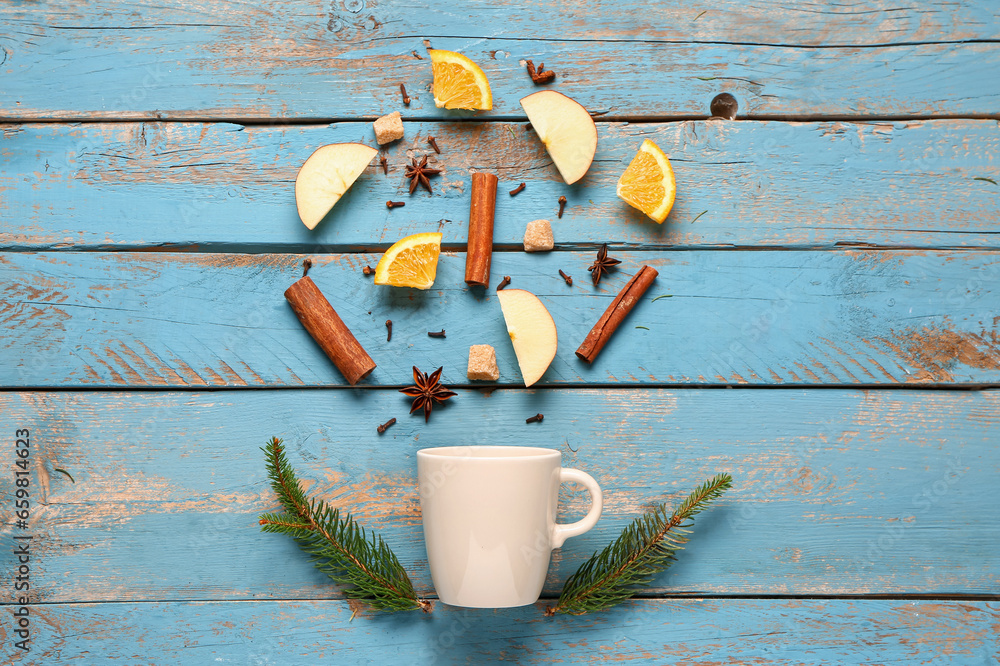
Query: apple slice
x=566, y=129
x=326, y=175
x=532, y=331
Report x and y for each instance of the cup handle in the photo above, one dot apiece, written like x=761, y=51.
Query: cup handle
x=562, y=532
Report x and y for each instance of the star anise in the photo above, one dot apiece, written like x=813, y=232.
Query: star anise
x=418, y=172
x=426, y=391
x=603, y=264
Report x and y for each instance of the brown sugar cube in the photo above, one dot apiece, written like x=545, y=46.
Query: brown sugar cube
x=388, y=128
x=483, y=363
x=538, y=236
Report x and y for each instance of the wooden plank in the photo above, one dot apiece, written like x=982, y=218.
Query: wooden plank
x=835, y=492
x=763, y=318
x=224, y=187
x=229, y=61
x=878, y=23
x=700, y=632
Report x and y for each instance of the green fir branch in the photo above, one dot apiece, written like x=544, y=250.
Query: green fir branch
x=339, y=547
x=647, y=547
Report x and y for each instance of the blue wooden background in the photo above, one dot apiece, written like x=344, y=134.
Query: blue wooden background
x=832, y=336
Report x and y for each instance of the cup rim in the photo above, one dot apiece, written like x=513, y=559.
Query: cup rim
x=460, y=452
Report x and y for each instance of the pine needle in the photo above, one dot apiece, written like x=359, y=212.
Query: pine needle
x=340, y=548
x=62, y=471
x=647, y=547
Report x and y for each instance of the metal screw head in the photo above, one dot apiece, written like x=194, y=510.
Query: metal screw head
x=724, y=106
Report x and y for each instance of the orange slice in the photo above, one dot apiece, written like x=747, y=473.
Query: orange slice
x=459, y=83
x=410, y=262
x=648, y=182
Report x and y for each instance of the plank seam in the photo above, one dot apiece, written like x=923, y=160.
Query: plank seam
x=118, y=388
x=362, y=43
x=905, y=596
x=510, y=248
x=605, y=118
x=685, y=42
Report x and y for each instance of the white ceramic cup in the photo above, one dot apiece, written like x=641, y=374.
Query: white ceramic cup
x=489, y=516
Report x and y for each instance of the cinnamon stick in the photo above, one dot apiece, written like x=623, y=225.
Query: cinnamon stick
x=616, y=312
x=328, y=330
x=481, y=211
